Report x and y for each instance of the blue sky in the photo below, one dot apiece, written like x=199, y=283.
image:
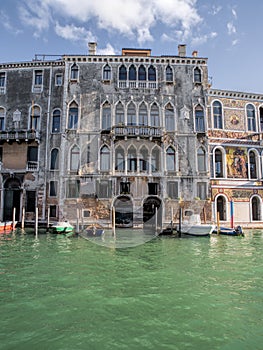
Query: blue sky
x=227, y=32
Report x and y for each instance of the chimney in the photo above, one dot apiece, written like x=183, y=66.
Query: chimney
x=92, y=48
x=182, y=50
x=195, y=53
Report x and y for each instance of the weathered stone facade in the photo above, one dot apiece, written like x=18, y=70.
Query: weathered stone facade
x=83, y=137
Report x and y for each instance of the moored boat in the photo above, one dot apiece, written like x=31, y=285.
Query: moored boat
x=192, y=226
x=236, y=231
x=62, y=227
x=7, y=226
x=93, y=231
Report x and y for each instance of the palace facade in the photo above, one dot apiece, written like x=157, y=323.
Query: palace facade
x=83, y=136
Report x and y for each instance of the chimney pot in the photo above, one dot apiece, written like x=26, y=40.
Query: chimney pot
x=195, y=53
x=92, y=48
x=182, y=50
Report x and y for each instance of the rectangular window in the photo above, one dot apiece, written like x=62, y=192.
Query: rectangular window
x=32, y=154
x=53, y=211
x=72, y=188
x=30, y=201
x=2, y=80
x=1, y=154
x=38, y=77
x=124, y=188
x=58, y=79
x=85, y=213
x=172, y=190
x=202, y=190
x=53, y=188
x=73, y=118
x=104, y=189
x=153, y=188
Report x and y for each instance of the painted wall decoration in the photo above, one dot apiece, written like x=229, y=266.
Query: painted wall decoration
x=236, y=158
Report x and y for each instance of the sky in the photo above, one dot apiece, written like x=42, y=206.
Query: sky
x=227, y=32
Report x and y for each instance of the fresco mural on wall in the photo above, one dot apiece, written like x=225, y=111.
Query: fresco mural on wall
x=236, y=162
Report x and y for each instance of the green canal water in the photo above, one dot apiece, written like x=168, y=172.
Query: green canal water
x=169, y=293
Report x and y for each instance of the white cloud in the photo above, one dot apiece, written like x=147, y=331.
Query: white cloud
x=73, y=33
x=6, y=22
x=108, y=50
x=231, y=29
x=35, y=14
x=198, y=40
x=215, y=10
x=234, y=13
x=131, y=18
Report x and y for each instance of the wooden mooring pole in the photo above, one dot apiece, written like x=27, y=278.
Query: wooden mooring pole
x=36, y=222
x=23, y=219
x=14, y=218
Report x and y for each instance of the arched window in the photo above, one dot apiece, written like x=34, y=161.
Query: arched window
x=142, y=73
x=251, y=118
x=132, y=72
x=119, y=159
x=155, y=119
x=143, y=115
x=56, y=121
x=261, y=118
x=151, y=73
x=143, y=160
x=256, y=208
x=35, y=117
x=132, y=159
x=169, y=118
x=122, y=73
x=201, y=159
x=74, y=72
x=218, y=163
x=104, y=159
x=155, y=159
x=197, y=75
x=73, y=116
x=54, y=159
x=199, y=119
x=252, y=165
x=74, y=158
x=107, y=72
x=131, y=114
x=119, y=114
x=2, y=118
x=217, y=114
x=106, y=116
x=170, y=159
x=169, y=74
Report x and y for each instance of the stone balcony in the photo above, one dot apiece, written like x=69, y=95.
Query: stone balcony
x=137, y=131
x=19, y=136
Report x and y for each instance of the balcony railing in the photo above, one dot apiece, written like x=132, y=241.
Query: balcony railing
x=21, y=135
x=134, y=84
x=32, y=166
x=133, y=131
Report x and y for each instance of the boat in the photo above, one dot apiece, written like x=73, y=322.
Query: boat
x=94, y=231
x=7, y=226
x=236, y=231
x=192, y=226
x=62, y=227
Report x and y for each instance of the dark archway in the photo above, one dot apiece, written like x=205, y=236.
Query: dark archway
x=12, y=195
x=152, y=212
x=123, y=212
x=256, y=214
x=221, y=207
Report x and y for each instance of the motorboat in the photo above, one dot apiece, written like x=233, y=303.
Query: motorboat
x=62, y=227
x=192, y=226
x=236, y=231
x=7, y=226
